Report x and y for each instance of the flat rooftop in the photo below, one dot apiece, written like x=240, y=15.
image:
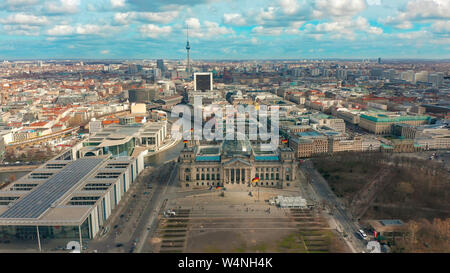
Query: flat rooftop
x=309, y=134
x=45, y=196
x=60, y=192
x=394, y=222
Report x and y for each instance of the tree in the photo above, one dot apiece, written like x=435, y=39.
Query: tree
x=413, y=228
x=405, y=188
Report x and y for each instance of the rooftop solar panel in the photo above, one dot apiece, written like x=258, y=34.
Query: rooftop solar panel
x=42, y=198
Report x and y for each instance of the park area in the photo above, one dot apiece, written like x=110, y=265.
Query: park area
x=383, y=186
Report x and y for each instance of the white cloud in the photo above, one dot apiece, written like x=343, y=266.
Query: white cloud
x=343, y=29
x=294, y=27
x=441, y=27
x=23, y=30
x=413, y=35
x=404, y=25
x=289, y=7
x=266, y=14
x=422, y=9
x=418, y=10
x=338, y=8
x=104, y=52
x=271, y=31
x=206, y=30
x=26, y=19
x=164, y=17
x=213, y=28
x=18, y=3
x=63, y=6
x=338, y=29
x=87, y=29
x=123, y=18
x=374, y=2
x=60, y=30
x=363, y=25
x=234, y=19
x=397, y=23
x=154, y=31
x=193, y=23
x=117, y=3
x=159, y=17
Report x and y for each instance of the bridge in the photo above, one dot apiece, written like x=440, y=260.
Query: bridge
x=17, y=168
x=44, y=138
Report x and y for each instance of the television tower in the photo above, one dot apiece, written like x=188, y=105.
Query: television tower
x=188, y=47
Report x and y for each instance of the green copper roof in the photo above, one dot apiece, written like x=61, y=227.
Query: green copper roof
x=384, y=118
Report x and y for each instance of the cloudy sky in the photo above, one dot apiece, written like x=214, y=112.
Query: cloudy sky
x=225, y=29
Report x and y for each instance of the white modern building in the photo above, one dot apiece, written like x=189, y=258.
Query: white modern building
x=66, y=199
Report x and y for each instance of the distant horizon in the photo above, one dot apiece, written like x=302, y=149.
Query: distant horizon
x=231, y=59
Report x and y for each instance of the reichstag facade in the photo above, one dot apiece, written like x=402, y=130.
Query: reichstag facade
x=235, y=164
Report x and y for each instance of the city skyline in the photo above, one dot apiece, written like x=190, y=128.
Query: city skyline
x=224, y=30
x=225, y=127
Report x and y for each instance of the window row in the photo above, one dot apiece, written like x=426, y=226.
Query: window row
x=272, y=176
x=213, y=176
x=267, y=169
x=207, y=169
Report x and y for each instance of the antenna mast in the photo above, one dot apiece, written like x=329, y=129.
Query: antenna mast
x=188, y=47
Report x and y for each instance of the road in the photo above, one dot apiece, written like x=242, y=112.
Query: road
x=155, y=206
x=340, y=215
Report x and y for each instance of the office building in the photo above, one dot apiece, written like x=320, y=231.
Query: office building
x=125, y=139
x=143, y=95
x=382, y=123
x=203, y=81
x=160, y=66
x=65, y=199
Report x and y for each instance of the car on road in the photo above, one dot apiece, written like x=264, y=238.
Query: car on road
x=362, y=234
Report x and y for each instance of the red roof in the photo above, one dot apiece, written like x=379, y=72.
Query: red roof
x=38, y=124
x=64, y=119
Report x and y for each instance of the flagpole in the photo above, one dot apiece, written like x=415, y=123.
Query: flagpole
x=258, y=194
